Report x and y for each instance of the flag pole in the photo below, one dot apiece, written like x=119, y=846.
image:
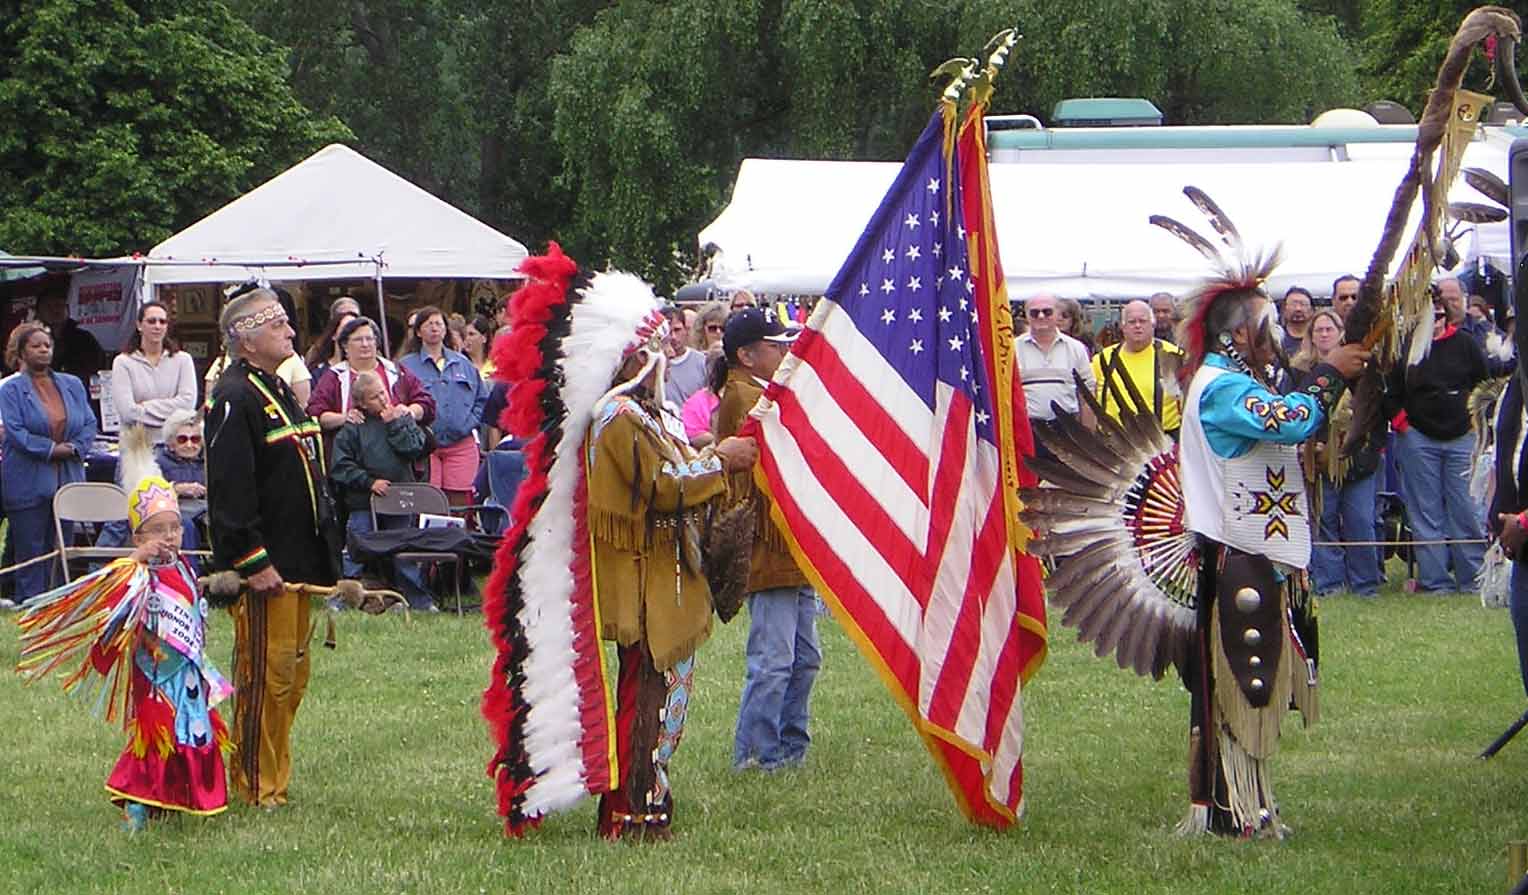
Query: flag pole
x=962, y=72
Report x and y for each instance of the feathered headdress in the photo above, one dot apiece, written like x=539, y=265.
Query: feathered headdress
x=547, y=702
x=1237, y=274
x=148, y=492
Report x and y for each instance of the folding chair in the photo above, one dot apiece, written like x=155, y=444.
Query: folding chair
x=412, y=499
x=94, y=502
x=504, y=470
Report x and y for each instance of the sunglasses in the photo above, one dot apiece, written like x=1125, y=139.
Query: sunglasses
x=713, y=327
x=1040, y=312
x=188, y=439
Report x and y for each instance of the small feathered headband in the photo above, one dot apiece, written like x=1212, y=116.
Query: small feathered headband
x=1238, y=273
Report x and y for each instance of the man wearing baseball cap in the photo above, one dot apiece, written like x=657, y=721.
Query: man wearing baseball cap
x=782, y=654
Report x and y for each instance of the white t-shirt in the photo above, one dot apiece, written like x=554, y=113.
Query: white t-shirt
x=1048, y=374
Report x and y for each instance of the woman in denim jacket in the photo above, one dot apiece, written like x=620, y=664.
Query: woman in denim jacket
x=457, y=387
x=48, y=428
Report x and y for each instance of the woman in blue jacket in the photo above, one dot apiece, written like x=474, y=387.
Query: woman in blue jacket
x=457, y=387
x=48, y=428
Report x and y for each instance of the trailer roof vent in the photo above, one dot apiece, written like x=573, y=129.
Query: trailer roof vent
x=1106, y=112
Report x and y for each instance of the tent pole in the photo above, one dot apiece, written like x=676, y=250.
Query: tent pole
x=387, y=350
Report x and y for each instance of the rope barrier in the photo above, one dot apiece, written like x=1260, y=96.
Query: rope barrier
x=1433, y=543
x=53, y=554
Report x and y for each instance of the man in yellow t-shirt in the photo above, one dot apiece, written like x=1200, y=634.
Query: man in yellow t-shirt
x=1149, y=363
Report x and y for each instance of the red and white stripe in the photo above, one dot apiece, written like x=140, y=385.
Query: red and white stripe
x=898, y=511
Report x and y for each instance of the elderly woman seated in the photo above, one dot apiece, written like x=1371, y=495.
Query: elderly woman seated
x=180, y=456
x=181, y=460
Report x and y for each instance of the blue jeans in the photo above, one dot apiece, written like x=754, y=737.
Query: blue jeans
x=1518, y=606
x=409, y=576
x=1438, y=505
x=783, y=658
x=32, y=532
x=1347, y=514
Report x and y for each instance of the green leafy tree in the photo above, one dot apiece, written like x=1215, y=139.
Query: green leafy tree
x=1404, y=43
x=390, y=70
x=450, y=94
x=656, y=104
x=508, y=51
x=1200, y=61
x=1348, y=14
x=129, y=120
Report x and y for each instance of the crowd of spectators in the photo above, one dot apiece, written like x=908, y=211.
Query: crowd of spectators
x=438, y=391
x=1429, y=443
x=372, y=409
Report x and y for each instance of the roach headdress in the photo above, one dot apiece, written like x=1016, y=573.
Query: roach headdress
x=546, y=702
x=1238, y=274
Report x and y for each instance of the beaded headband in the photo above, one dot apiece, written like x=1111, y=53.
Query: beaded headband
x=258, y=319
x=651, y=334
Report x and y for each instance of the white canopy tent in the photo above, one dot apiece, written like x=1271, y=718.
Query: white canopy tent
x=1080, y=230
x=334, y=215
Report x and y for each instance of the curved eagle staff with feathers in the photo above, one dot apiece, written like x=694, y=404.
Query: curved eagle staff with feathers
x=1387, y=312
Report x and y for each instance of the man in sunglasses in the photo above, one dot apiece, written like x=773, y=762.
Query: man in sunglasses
x=1344, y=295
x=1434, y=446
x=1047, y=359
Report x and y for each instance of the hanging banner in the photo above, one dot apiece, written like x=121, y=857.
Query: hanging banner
x=104, y=302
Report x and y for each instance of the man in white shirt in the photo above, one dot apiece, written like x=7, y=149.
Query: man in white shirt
x=1047, y=360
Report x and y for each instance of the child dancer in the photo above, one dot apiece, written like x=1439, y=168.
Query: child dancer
x=130, y=639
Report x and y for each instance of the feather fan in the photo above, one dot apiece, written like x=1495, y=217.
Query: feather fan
x=1124, y=566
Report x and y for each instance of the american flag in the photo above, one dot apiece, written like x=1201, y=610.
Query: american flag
x=882, y=444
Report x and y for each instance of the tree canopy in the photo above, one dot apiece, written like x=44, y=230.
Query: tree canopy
x=1404, y=43
x=129, y=120
x=615, y=126
x=1247, y=62
x=657, y=103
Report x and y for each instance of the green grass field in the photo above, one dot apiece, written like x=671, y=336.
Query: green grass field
x=1385, y=795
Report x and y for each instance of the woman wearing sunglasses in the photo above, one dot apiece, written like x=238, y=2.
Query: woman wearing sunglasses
x=153, y=378
x=706, y=334
x=180, y=457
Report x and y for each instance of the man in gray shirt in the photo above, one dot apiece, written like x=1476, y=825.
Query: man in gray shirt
x=686, y=367
x=1047, y=360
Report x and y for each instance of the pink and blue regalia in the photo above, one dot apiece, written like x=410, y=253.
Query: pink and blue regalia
x=130, y=640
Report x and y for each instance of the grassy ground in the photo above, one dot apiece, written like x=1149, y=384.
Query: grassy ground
x=1385, y=795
